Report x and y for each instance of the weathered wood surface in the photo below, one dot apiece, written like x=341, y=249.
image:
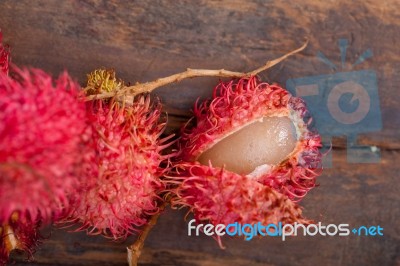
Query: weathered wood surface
x=144, y=40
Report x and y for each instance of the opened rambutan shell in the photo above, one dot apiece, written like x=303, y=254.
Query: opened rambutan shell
x=269, y=191
x=123, y=177
x=235, y=106
x=223, y=197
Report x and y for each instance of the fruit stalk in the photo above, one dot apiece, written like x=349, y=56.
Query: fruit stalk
x=135, y=250
x=147, y=87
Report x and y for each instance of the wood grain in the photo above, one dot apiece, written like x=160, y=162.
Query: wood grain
x=145, y=40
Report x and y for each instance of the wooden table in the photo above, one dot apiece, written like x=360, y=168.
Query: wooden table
x=144, y=40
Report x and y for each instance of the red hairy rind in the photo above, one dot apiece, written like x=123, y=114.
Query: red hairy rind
x=222, y=197
x=20, y=234
x=240, y=102
x=41, y=130
x=122, y=178
x=297, y=175
x=4, y=56
x=233, y=105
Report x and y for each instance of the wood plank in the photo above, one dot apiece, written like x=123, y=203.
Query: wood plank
x=144, y=40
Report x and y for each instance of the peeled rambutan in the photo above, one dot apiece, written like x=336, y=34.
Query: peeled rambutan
x=42, y=124
x=249, y=157
x=4, y=56
x=123, y=177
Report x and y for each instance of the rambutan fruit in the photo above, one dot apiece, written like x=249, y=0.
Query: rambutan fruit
x=42, y=124
x=122, y=184
x=249, y=157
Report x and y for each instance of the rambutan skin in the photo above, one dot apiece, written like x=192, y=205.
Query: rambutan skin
x=42, y=123
x=42, y=128
x=268, y=194
x=123, y=177
x=223, y=197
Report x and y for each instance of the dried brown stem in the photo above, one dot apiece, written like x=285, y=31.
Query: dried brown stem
x=9, y=240
x=272, y=63
x=135, y=249
x=139, y=88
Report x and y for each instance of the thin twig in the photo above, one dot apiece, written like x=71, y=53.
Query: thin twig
x=9, y=239
x=272, y=63
x=139, y=88
x=135, y=249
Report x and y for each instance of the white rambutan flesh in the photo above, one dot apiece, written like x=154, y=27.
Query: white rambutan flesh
x=266, y=141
